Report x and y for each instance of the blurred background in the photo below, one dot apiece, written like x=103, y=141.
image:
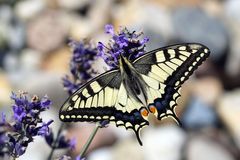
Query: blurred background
x=34, y=56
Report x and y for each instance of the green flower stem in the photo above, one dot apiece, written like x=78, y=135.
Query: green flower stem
x=90, y=139
x=55, y=142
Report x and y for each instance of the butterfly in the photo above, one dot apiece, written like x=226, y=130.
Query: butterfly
x=127, y=94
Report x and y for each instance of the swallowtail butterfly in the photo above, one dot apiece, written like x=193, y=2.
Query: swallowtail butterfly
x=126, y=95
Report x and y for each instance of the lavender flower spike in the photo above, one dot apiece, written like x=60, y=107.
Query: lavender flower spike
x=128, y=44
x=27, y=123
x=80, y=65
x=109, y=29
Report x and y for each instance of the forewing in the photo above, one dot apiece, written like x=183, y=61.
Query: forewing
x=164, y=71
x=104, y=98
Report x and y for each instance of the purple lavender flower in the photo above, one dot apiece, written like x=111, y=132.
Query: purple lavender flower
x=126, y=43
x=79, y=158
x=84, y=54
x=72, y=143
x=104, y=123
x=109, y=29
x=27, y=123
x=80, y=65
x=65, y=157
x=3, y=118
x=70, y=85
x=20, y=101
x=45, y=102
x=60, y=142
x=19, y=149
x=19, y=113
x=44, y=129
x=66, y=143
x=3, y=136
x=49, y=138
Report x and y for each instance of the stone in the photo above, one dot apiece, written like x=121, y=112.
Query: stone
x=5, y=13
x=5, y=91
x=48, y=31
x=132, y=151
x=233, y=60
x=16, y=35
x=165, y=142
x=58, y=61
x=80, y=28
x=207, y=89
x=229, y=110
x=204, y=94
x=231, y=8
x=73, y=4
x=195, y=25
x=12, y=35
x=198, y=114
x=159, y=29
x=23, y=8
x=232, y=15
x=214, y=8
x=100, y=14
x=5, y=16
x=104, y=153
x=175, y=3
x=202, y=147
x=10, y=62
x=30, y=60
x=88, y=25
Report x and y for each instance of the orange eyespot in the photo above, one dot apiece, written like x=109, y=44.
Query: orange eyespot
x=144, y=112
x=152, y=109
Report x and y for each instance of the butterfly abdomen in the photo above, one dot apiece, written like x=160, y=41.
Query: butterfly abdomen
x=132, y=81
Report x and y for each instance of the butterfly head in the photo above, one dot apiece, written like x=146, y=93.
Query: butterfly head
x=124, y=63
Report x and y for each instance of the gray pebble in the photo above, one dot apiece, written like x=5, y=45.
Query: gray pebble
x=194, y=25
x=203, y=148
x=198, y=114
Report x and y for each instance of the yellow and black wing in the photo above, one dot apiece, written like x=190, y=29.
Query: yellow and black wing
x=104, y=98
x=164, y=71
